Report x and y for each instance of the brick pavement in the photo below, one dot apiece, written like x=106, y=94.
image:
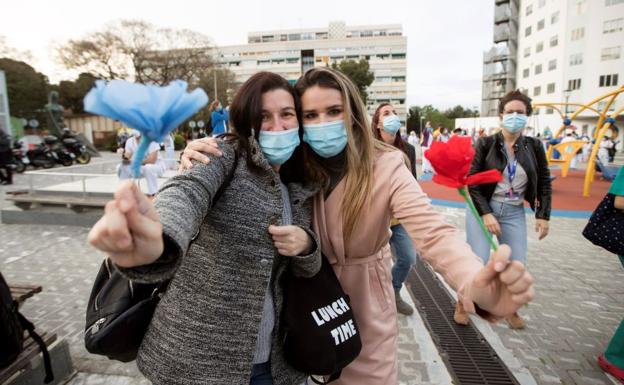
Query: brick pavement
x=578, y=306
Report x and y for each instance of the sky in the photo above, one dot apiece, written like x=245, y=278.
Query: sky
x=446, y=38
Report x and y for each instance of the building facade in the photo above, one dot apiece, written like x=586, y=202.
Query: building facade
x=566, y=49
x=292, y=52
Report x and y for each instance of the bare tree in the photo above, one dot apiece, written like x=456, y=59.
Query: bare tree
x=135, y=49
x=9, y=52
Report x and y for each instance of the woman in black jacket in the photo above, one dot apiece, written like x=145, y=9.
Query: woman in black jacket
x=526, y=177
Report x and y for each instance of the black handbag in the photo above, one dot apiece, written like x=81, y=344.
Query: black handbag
x=120, y=310
x=119, y=313
x=321, y=336
x=606, y=226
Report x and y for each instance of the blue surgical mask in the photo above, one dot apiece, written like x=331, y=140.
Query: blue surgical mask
x=391, y=124
x=278, y=146
x=514, y=122
x=326, y=139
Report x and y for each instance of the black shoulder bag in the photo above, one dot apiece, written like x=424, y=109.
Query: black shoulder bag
x=120, y=310
x=12, y=326
x=321, y=336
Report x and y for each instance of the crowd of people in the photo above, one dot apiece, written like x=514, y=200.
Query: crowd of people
x=303, y=175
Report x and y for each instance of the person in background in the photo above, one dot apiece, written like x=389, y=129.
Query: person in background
x=526, y=177
x=385, y=124
x=412, y=139
x=218, y=118
x=170, y=161
x=457, y=132
x=152, y=166
x=444, y=135
x=427, y=140
x=6, y=157
x=612, y=360
x=603, y=152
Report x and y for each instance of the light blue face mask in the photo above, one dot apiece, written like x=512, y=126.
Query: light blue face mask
x=326, y=139
x=514, y=122
x=278, y=146
x=391, y=124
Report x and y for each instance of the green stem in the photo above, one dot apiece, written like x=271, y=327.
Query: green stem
x=464, y=193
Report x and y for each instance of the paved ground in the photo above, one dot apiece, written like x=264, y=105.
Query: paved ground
x=58, y=258
x=580, y=302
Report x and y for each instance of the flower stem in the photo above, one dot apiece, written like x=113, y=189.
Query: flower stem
x=463, y=193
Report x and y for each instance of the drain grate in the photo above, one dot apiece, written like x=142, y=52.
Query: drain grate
x=468, y=356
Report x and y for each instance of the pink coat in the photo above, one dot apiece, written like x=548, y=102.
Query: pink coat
x=363, y=265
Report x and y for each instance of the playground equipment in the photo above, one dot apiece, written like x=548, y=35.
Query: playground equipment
x=568, y=151
x=605, y=121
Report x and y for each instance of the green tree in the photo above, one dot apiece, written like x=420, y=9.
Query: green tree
x=358, y=72
x=27, y=89
x=72, y=93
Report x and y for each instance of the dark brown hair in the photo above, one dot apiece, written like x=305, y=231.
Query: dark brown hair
x=515, y=95
x=398, y=141
x=246, y=119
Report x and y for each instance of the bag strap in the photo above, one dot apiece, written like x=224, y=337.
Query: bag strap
x=30, y=327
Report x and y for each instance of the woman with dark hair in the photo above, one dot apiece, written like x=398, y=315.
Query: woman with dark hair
x=224, y=233
x=385, y=125
x=526, y=177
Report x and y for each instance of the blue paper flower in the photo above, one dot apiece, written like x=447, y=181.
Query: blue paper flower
x=154, y=111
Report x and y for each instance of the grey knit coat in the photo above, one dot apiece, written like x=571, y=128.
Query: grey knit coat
x=205, y=328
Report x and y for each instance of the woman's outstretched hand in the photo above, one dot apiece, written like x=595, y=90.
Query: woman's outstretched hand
x=130, y=230
x=502, y=286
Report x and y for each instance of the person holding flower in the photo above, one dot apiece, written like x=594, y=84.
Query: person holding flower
x=225, y=233
x=365, y=184
x=526, y=177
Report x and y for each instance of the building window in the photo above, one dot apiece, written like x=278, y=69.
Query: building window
x=574, y=84
x=608, y=80
x=294, y=36
x=539, y=47
x=550, y=88
x=529, y=10
x=525, y=73
x=554, y=18
x=527, y=31
x=581, y=7
x=398, y=56
x=576, y=59
x=550, y=111
x=578, y=33
x=538, y=69
x=613, y=2
x=613, y=26
x=610, y=53
x=527, y=52
x=541, y=3
x=554, y=41
x=552, y=65
x=540, y=25
x=537, y=90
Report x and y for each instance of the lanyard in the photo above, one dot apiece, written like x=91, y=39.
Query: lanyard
x=511, y=170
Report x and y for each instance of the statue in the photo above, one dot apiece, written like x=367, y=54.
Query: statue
x=54, y=114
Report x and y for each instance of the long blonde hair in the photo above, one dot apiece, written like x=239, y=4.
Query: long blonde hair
x=361, y=145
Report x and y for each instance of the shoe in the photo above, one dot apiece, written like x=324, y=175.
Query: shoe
x=610, y=368
x=402, y=306
x=460, y=316
x=515, y=321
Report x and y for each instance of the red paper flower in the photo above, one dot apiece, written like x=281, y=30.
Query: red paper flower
x=452, y=160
